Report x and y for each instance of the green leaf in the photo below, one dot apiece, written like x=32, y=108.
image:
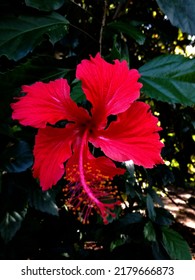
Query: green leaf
x=11, y=224
x=116, y=243
x=18, y=157
x=45, y=5
x=130, y=218
x=163, y=217
x=43, y=201
x=0, y=181
x=156, y=198
x=175, y=245
x=149, y=232
x=169, y=78
x=42, y=68
x=150, y=207
x=77, y=93
x=181, y=13
x=20, y=35
x=115, y=52
x=129, y=29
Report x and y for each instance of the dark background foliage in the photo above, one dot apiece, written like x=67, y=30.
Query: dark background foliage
x=45, y=40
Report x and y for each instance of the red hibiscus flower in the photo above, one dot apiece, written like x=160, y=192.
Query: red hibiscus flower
x=111, y=90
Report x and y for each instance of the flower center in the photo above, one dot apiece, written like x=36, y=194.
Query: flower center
x=88, y=126
x=89, y=189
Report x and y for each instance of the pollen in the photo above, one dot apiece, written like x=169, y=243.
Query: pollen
x=80, y=202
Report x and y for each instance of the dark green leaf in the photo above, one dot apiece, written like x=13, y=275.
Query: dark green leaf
x=115, y=52
x=11, y=224
x=20, y=35
x=149, y=232
x=130, y=218
x=150, y=207
x=156, y=198
x=158, y=251
x=181, y=13
x=45, y=5
x=129, y=29
x=76, y=92
x=18, y=157
x=169, y=78
x=43, y=201
x=0, y=181
x=42, y=68
x=163, y=217
x=117, y=243
x=175, y=245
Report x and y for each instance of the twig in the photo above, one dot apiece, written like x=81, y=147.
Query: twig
x=103, y=24
x=177, y=196
x=81, y=30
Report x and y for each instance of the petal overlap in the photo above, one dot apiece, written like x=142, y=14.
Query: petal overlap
x=133, y=136
x=110, y=88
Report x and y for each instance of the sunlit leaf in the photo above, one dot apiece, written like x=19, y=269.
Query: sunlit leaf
x=175, y=245
x=181, y=13
x=169, y=78
x=45, y=5
x=11, y=223
x=20, y=35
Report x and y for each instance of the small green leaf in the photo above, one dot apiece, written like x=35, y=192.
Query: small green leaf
x=11, y=223
x=181, y=13
x=149, y=232
x=175, y=245
x=150, y=207
x=45, y=5
x=169, y=78
x=128, y=28
x=18, y=157
x=117, y=243
x=43, y=201
x=20, y=35
x=77, y=93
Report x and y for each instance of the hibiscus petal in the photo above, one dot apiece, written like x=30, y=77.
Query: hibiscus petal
x=113, y=86
x=52, y=149
x=46, y=103
x=132, y=137
x=103, y=164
